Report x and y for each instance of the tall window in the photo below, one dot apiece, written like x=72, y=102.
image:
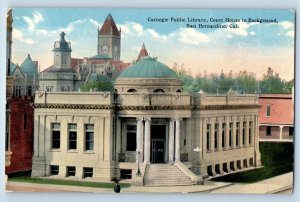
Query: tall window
x=268, y=130
x=49, y=88
x=216, y=136
x=89, y=137
x=208, y=137
x=291, y=131
x=244, y=131
x=131, y=138
x=72, y=136
x=223, y=135
x=268, y=111
x=250, y=132
x=230, y=134
x=55, y=135
x=237, y=133
x=29, y=91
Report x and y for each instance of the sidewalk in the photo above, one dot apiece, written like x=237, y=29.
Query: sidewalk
x=271, y=185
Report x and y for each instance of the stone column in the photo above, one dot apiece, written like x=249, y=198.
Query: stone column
x=220, y=134
x=241, y=132
x=171, y=141
x=177, y=141
x=212, y=135
x=139, y=139
x=233, y=132
x=247, y=132
x=147, y=140
x=252, y=130
x=227, y=134
x=204, y=131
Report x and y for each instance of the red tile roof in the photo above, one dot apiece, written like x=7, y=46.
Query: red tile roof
x=74, y=64
x=109, y=27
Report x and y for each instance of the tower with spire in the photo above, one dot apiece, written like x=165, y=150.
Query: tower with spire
x=62, y=52
x=109, y=39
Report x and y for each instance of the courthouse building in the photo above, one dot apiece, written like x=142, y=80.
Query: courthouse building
x=147, y=130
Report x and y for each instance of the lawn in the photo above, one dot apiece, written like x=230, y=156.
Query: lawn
x=276, y=158
x=28, y=179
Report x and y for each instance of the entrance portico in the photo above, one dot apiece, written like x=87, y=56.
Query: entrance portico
x=159, y=142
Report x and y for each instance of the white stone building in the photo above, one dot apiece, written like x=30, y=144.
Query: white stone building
x=147, y=130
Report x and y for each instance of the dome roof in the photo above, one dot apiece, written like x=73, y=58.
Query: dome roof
x=62, y=45
x=29, y=67
x=148, y=67
x=97, y=77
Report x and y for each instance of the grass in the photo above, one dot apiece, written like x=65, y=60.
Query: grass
x=28, y=179
x=277, y=159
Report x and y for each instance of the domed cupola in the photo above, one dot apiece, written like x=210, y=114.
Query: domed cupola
x=29, y=67
x=148, y=76
x=62, y=52
x=62, y=45
x=148, y=67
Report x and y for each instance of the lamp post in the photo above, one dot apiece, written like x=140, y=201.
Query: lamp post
x=138, y=173
x=197, y=149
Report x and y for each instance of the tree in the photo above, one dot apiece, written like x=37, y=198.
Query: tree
x=97, y=86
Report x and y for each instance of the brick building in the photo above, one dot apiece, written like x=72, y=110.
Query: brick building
x=276, y=117
x=21, y=134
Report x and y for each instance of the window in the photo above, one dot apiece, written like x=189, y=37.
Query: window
x=223, y=135
x=87, y=172
x=55, y=135
x=25, y=122
x=131, y=137
x=54, y=170
x=89, y=137
x=216, y=136
x=178, y=91
x=132, y=90
x=158, y=91
x=244, y=131
x=237, y=134
x=268, y=131
x=62, y=88
x=49, y=88
x=29, y=91
x=250, y=132
x=72, y=136
x=230, y=134
x=71, y=171
x=291, y=131
x=126, y=174
x=208, y=137
x=63, y=60
x=268, y=112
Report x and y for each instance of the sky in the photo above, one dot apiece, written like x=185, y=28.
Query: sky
x=252, y=46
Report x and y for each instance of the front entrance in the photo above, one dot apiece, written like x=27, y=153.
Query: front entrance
x=158, y=143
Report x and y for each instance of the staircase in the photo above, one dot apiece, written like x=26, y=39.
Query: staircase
x=165, y=175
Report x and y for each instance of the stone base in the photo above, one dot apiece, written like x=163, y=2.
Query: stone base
x=106, y=171
x=38, y=167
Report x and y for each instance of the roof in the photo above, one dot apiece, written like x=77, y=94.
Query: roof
x=148, y=67
x=62, y=45
x=74, y=64
x=143, y=53
x=12, y=67
x=99, y=56
x=109, y=27
x=274, y=96
x=29, y=67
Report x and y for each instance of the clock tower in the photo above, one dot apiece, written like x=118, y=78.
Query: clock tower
x=109, y=39
x=62, y=53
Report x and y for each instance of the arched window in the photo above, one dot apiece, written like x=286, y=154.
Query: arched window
x=158, y=91
x=178, y=91
x=29, y=91
x=132, y=90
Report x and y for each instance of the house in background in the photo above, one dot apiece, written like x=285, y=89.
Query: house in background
x=276, y=117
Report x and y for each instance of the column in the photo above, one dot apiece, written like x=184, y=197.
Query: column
x=220, y=134
x=247, y=132
x=171, y=141
x=139, y=140
x=241, y=132
x=252, y=130
x=147, y=140
x=234, y=132
x=227, y=133
x=177, y=142
x=212, y=135
x=280, y=132
x=204, y=131
x=36, y=135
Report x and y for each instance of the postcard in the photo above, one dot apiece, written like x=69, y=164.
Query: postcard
x=150, y=100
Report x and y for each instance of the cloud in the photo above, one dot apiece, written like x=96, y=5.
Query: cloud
x=190, y=36
x=286, y=24
x=32, y=22
x=252, y=33
x=18, y=35
x=241, y=31
x=290, y=33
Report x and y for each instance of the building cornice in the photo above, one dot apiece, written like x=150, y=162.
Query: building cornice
x=73, y=106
